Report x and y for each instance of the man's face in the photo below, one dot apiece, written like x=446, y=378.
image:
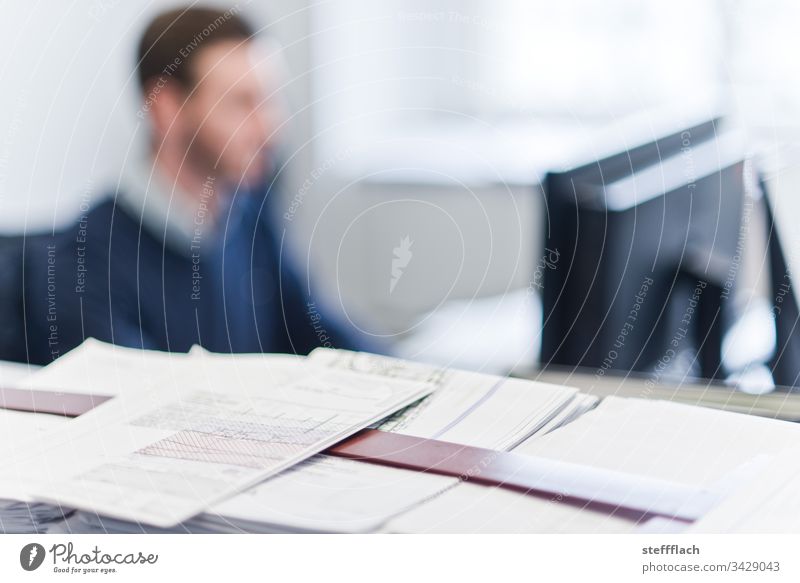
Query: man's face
x=229, y=120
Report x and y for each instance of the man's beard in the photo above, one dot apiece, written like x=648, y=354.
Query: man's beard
x=206, y=159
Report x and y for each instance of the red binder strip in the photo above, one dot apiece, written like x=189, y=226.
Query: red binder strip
x=54, y=403
x=623, y=494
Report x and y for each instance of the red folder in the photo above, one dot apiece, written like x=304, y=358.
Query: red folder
x=52, y=402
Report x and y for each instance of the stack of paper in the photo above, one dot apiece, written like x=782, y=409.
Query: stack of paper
x=324, y=494
x=23, y=515
x=194, y=429
x=18, y=517
x=471, y=408
x=230, y=443
x=338, y=495
x=198, y=432
x=698, y=447
x=93, y=368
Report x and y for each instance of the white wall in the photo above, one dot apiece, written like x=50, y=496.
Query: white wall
x=68, y=101
x=68, y=121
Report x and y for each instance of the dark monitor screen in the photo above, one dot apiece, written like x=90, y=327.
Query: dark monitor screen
x=644, y=256
x=782, y=190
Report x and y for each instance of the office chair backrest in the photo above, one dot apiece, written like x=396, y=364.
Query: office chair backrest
x=12, y=330
x=17, y=252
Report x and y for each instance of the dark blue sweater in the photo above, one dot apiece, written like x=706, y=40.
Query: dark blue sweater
x=110, y=278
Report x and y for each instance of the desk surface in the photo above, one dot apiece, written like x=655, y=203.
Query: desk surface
x=779, y=404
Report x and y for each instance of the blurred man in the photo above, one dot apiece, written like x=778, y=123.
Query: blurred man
x=182, y=253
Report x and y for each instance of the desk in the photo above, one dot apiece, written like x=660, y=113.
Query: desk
x=779, y=404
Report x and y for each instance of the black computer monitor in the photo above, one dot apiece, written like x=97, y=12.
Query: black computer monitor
x=645, y=241
x=781, y=191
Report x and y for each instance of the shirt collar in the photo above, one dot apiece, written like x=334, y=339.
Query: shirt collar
x=167, y=212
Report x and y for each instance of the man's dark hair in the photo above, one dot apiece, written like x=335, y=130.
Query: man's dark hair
x=171, y=41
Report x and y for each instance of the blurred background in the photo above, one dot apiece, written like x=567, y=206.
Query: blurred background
x=420, y=137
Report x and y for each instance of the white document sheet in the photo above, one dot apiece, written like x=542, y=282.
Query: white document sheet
x=326, y=494
x=94, y=368
x=580, y=405
x=207, y=429
x=98, y=368
x=13, y=373
x=17, y=426
x=767, y=504
x=470, y=508
x=469, y=408
x=695, y=446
